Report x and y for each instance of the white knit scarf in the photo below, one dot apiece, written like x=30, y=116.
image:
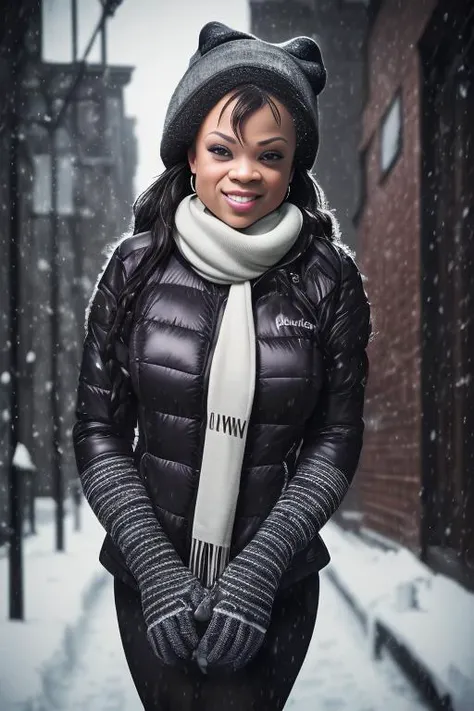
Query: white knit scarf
x=224, y=255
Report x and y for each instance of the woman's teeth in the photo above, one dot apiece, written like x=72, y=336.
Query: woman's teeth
x=242, y=198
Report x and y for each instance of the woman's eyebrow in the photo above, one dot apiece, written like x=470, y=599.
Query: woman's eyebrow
x=222, y=135
x=270, y=140
x=260, y=143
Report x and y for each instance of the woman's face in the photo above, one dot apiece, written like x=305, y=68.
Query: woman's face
x=241, y=183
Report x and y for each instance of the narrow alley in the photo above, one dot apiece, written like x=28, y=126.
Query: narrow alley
x=336, y=675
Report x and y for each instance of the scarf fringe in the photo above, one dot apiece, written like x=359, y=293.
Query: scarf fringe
x=207, y=561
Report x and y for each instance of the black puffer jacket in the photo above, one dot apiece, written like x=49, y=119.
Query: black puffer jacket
x=312, y=326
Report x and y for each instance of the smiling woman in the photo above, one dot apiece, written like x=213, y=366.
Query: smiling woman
x=232, y=327
x=243, y=156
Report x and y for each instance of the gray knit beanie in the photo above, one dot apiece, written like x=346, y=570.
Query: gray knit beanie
x=293, y=71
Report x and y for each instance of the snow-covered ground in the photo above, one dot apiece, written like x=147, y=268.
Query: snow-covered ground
x=58, y=590
x=430, y=615
x=337, y=675
x=67, y=655
x=100, y=679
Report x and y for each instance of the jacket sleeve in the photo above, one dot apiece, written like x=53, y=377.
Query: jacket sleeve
x=334, y=432
x=100, y=428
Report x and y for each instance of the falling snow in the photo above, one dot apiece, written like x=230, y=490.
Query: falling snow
x=421, y=357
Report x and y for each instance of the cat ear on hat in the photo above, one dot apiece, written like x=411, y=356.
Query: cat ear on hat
x=307, y=54
x=214, y=34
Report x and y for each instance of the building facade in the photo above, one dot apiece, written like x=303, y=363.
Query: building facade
x=91, y=158
x=415, y=484
x=75, y=191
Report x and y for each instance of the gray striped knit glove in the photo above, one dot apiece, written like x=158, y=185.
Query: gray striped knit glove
x=169, y=592
x=241, y=601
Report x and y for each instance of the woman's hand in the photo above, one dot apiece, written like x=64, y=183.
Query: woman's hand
x=239, y=609
x=171, y=628
x=230, y=641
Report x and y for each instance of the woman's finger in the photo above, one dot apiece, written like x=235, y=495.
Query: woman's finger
x=214, y=637
x=238, y=643
x=187, y=632
x=228, y=628
x=248, y=650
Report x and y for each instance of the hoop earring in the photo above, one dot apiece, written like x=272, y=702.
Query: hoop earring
x=193, y=185
x=288, y=192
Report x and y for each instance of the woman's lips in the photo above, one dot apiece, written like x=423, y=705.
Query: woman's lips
x=238, y=205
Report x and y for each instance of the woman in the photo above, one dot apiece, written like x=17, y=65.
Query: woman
x=232, y=328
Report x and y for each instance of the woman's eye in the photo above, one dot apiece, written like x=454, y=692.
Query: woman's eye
x=271, y=156
x=221, y=151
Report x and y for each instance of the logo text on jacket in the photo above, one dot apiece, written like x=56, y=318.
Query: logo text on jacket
x=298, y=323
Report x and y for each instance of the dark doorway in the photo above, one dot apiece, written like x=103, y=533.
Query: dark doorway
x=447, y=212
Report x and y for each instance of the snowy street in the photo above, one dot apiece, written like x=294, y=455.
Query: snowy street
x=337, y=674
x=236, y=314
x=67, y=654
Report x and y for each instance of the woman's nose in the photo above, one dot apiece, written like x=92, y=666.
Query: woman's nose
x=244, y=172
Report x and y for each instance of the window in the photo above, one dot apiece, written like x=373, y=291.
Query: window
x=391, y=135
x=42, y=189
x=42, y=198
x=65, y=176
x=56, y=30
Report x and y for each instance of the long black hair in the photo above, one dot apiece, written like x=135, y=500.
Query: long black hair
x=155, y=208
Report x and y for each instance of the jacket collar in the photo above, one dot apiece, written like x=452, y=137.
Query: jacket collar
x=296, y=251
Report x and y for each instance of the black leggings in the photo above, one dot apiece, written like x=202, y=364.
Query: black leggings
x=263, y=685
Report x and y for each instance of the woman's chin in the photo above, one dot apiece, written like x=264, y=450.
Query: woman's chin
x=235, y=220
x=241, y=220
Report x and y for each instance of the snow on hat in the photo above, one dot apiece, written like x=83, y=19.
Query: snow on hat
x=293, y=71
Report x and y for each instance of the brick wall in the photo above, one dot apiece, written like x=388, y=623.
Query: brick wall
x=388, y=481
